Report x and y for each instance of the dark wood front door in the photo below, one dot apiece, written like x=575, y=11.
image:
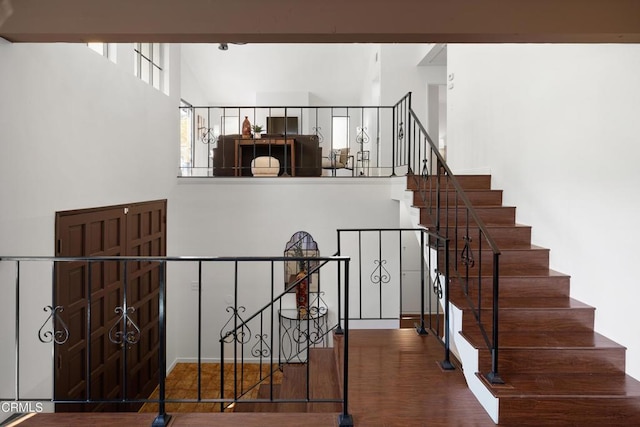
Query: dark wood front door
x=101, y=364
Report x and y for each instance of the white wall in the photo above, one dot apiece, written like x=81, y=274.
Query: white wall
x=400, y=74
x=557, y=126
x=76, y=131
x=233, y=77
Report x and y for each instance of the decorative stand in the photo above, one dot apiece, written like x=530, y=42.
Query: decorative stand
x=298, y=334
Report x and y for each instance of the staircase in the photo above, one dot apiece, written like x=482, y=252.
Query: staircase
x=556, y=369
x=322, y=369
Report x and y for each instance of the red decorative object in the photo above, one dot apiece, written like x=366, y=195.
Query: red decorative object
x=246, y=127
x=302, y=294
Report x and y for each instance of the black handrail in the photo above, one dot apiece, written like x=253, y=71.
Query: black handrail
x=459, y=190
x=426, y=152
x=238, y=329
x=292, y=286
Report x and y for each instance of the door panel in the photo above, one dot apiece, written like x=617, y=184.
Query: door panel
x=137, y=229
x=146, y=237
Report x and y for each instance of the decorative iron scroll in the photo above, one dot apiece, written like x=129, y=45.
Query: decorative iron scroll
x=318, y=307
x=311, y=337
x=318, y=133
x=261, y=348
x=466, y=256
x=400, y=131
x=59, y=336
x=207, y=135
x=425, y=169
x=380, y=274
x=243, y=336
x=361, y=135
x=130, y=333
x=437, y=285
x=300, y=334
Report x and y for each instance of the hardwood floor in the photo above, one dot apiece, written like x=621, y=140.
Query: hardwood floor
x=394, y=381
x=182, y=384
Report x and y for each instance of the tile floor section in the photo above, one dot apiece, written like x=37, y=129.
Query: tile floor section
x=182, y=383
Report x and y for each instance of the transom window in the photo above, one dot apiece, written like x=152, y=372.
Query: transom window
x=148, y=63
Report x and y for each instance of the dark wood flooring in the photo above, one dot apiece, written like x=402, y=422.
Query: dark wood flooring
x=395, y=381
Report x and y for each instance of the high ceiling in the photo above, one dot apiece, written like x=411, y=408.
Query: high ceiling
x=313, y=21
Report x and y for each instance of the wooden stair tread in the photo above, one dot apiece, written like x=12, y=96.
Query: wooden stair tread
x=567, y=385
x=492, y=226
x=515, y=287
x=264, y=392
x=323, y=383
x=523, y=273
x=471, y=181
x=323, y=380
x=515, y=303
x=294, y=380
x=477, y=197
x=515, y=247
x=545, y=339
x=570, y=316
x=502, y=233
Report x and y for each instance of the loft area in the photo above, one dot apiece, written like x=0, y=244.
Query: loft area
x=310, y=141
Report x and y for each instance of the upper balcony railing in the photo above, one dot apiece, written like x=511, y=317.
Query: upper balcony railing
x=325, y=140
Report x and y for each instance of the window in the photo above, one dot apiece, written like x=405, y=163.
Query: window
x=186, y=135
x=340, y=132
x=148, y=63
x=107, y=50
x=101, y=48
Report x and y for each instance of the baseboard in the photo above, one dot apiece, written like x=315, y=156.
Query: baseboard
x=374, y=324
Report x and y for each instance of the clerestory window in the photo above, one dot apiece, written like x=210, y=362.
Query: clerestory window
x=148, y=63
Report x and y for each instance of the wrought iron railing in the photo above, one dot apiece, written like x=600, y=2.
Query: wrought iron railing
x=300, y=329
x=328, y=140
x=387, y=279
x=450, y=213
x=251, y=338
